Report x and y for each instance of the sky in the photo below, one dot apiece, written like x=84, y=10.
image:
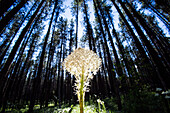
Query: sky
x=68, y=15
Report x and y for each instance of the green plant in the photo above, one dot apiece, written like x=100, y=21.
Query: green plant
x=142, y=100
x=102, y=103
x=83, y=64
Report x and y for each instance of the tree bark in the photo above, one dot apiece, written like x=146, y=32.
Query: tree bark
x=5, y=5
x=118, y=65
x=142, y=54
x=160, y=68
x=77, y=11
x=5, y=20
x=159, y=42
x=6, y=40
x=112, y=75
x=4, y=71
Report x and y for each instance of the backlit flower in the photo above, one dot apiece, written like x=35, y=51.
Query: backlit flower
x=82, y=62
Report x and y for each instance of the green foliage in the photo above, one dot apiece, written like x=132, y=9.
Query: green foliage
x=137, y=100
x=141, y=100
x=110, y=104
x=99, y=108
x=87, y=109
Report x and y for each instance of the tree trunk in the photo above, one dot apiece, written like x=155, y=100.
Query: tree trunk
x=58, y=78
x=160, y=16
x=160, y=68
x=6, y=40
x=77, y=11
x=5, y=5
x=6, y=88
x=89, y=30
x=106, y=83
x=71, y=36
x=118, y=65
x=121, y=49
x=4, y=71
x=143, y=57
x=112, y=75
x=5, y=20
x=159, y=42
x=37, y=80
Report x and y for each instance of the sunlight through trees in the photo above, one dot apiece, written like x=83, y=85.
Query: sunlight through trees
x=127, y=39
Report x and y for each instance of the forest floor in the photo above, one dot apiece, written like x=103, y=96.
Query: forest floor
x=136, y=101
x=53, y=109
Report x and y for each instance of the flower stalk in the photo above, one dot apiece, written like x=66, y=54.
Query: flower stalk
x=81, y=102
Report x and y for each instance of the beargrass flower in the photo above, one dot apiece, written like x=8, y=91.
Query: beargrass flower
x=102, y=103
x=83, y=64
x=165, y=92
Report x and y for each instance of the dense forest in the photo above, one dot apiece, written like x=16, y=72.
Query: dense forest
x=130, y=36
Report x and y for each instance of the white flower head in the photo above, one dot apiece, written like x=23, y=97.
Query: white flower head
x=82, y=61
x=165, y=92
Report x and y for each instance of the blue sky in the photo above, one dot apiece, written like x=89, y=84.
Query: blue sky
x=68, y=15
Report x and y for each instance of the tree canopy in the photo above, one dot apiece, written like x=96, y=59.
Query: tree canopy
x=131, y=37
